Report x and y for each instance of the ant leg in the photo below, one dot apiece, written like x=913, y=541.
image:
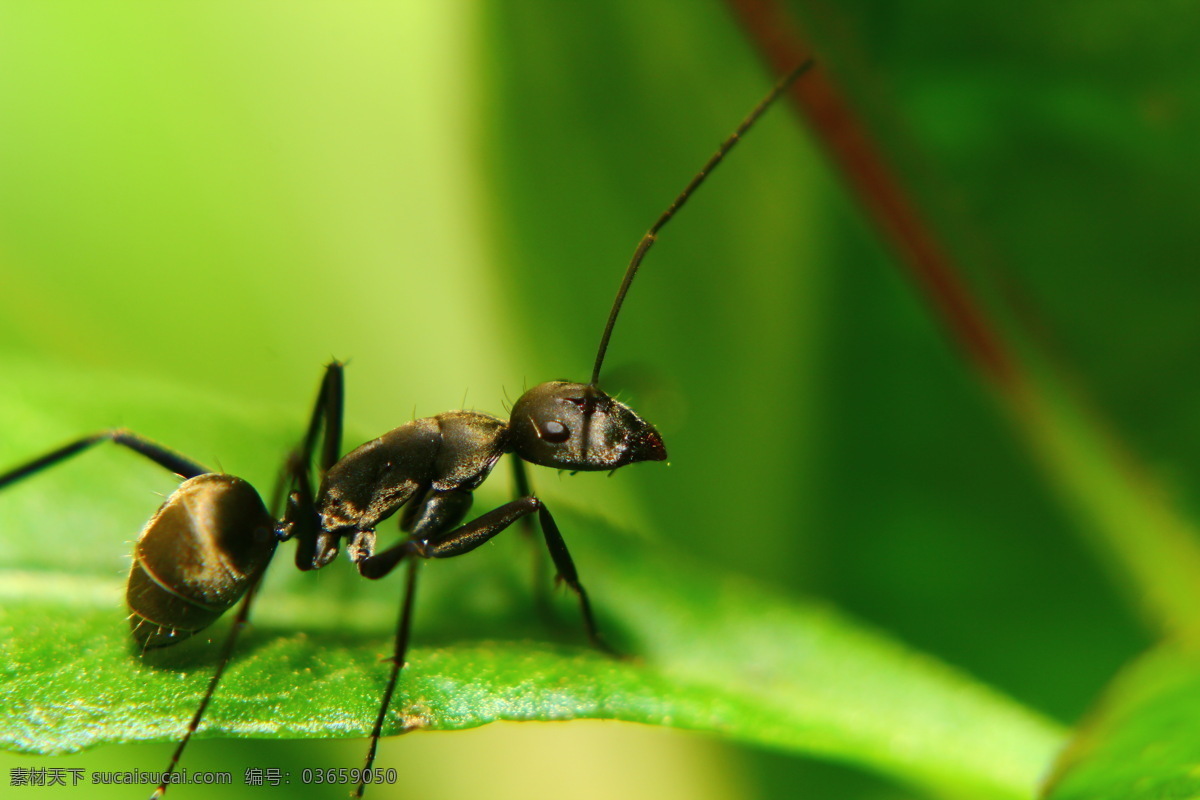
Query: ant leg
x=568, y=574
x=183, y=467
x=541, y=595
x=239, y=622
x=467, y=537
x=315, y=547
x=521, y=484
x=403, y=627
x=456, y=542
x=328, y=409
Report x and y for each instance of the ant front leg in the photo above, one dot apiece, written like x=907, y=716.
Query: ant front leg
x=568, y=575
x=466, y=538
x=450, y=506
x=541, y=594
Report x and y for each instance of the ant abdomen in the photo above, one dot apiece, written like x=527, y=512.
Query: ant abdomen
x=196, y=557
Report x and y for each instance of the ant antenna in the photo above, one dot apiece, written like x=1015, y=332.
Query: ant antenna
x=652, y=235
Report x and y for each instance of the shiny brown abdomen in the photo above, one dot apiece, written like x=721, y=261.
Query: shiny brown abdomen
x=196, y=557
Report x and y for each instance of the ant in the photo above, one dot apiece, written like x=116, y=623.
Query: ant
x=210, y=542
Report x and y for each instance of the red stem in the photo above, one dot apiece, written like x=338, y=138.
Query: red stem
x=847, y=143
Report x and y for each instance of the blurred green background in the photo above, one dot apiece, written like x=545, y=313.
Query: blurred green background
x=219, y=198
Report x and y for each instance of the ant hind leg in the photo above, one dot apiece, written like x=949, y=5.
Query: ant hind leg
x=168, y=459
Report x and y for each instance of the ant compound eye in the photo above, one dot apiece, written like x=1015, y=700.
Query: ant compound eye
x=554, y=432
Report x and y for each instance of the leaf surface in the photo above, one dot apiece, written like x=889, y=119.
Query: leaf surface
x=1143, y=739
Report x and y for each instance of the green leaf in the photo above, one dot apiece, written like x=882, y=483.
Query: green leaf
x=1143, y=740
x=709, y=651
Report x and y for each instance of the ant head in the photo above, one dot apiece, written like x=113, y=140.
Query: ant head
x=576, y=426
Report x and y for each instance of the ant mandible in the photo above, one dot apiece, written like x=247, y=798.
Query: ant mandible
x=208, y=545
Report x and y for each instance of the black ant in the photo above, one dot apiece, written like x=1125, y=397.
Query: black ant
x=208, y=545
